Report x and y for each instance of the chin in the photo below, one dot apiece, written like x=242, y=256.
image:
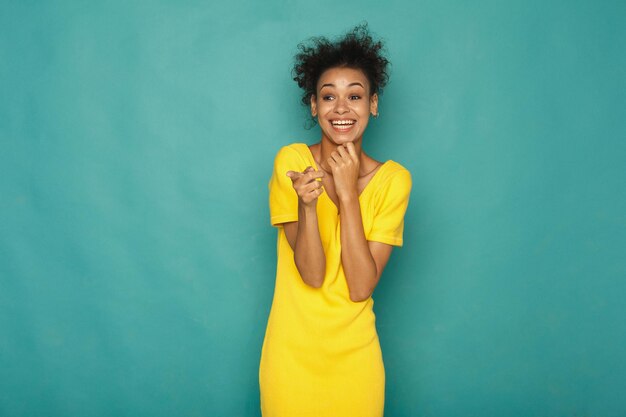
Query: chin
x=342, y=140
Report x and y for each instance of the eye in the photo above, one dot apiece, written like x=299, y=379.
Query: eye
x=355, y=97
x=327, y=97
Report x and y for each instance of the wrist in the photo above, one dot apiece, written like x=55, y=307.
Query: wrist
x=348, y=197
x=308, y=208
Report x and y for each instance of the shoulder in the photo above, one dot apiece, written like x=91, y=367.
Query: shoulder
x=396, y=174
x=293, y=150
x=295, y=157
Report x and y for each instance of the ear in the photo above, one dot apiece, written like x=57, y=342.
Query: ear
x=374, y=104
x=313, y=105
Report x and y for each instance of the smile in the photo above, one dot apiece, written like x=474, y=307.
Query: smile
x=342, y=126
x=343, y=122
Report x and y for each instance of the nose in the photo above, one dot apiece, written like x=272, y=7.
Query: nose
x=341, y=106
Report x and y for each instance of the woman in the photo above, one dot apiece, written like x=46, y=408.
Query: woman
x=339, y=213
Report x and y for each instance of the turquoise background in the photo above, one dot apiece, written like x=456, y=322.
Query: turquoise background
x=136, y=256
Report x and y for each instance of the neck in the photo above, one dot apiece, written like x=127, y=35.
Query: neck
x=327, y=147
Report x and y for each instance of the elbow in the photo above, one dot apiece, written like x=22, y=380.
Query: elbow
x=360, y=296
x=363, y=289
x=315, y=281
x=315, y=284
x=312, y=275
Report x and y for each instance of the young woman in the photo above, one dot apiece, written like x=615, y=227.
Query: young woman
x=339, y=213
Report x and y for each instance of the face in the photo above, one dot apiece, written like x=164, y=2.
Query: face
x=343, y=104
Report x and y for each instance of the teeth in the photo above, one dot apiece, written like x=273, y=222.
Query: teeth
x=343, y=122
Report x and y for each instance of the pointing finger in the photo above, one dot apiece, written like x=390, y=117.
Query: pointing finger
x=315, y=174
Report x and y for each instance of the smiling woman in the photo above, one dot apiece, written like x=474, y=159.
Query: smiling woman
x=343, y=104
x=338, y=212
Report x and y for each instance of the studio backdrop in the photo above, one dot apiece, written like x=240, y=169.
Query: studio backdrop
x=137, y=259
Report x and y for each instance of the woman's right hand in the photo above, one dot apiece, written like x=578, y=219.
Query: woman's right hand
x=308, y=185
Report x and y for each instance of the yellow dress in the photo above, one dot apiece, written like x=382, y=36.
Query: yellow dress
x=321, y=356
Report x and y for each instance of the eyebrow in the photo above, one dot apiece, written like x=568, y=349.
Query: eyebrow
x=349, y=85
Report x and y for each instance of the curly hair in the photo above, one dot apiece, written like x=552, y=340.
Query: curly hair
x=357, y=50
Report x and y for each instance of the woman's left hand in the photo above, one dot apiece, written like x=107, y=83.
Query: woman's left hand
x=345, y=163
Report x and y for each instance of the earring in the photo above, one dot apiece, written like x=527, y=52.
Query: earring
x=376, y=115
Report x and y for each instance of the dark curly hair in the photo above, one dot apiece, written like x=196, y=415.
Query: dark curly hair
x=357, y=50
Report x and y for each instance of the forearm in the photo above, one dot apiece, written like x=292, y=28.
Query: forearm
x=358, y=263
x=308, y=250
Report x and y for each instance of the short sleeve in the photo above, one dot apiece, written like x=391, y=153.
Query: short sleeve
x=388, y=222
x=283, y=199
